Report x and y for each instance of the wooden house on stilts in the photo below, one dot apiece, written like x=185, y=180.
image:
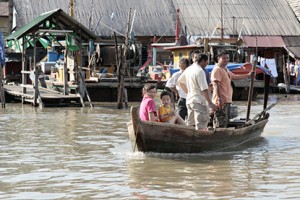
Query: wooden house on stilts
x=64, y=37
x=270, y=28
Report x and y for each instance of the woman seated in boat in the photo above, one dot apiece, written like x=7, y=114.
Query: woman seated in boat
x=147, y=107
x=166, y=113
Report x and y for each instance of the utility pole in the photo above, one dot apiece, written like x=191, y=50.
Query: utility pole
x=222, y=21
x=177, y=27
x=71, y=8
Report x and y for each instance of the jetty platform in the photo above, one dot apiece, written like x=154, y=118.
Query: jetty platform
x=49, y=98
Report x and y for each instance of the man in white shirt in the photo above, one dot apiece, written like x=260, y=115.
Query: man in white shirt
x=171, y=83
x=193, y=82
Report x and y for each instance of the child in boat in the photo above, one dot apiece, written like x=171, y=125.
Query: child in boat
x=166, y=113
x=147, y=107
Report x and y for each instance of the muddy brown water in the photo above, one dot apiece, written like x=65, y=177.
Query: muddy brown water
x=84, y=153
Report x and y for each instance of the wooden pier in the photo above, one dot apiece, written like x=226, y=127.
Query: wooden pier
x=47, y=97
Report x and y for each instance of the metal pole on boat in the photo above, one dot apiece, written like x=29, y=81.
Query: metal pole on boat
x=251, y=83
x=251, y=89
x=267, y=78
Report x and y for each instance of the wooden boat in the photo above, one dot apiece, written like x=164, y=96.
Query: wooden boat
x=160, y=137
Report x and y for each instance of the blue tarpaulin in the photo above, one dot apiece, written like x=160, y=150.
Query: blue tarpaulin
x=2, y=51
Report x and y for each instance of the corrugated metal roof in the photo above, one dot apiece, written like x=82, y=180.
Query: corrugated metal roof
x=152, y=16
x=65, y=20
x=293, y=46
x=4, y=9
x=292, y=41
x=294, y=52
x=263, y=41
x=34, y=23
x=248, y=17
x=156, y=17
x=295, y=5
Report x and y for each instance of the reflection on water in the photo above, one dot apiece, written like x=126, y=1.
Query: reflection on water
x=84, y=153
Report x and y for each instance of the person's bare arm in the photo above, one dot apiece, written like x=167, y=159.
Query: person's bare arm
x=207, y=97
x=217, y=91
x=173, y=89
x=152, y=117
x=165, y=116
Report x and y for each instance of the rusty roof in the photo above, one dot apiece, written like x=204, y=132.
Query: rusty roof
x=263, y=41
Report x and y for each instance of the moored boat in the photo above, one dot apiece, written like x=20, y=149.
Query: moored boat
x=160, y=137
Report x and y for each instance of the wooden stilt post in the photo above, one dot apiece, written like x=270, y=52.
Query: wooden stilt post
x=65, y=72
x=286, y=76
x=124, y=64
x=125, y=98
x=117, y=56
x=24, y=68
x=36, y=75
x=41, y=104
x=86, y=91
x=2, y=87
x=2, y=65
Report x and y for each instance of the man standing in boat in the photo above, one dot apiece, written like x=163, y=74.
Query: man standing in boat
x=193, y=82
x=195, y=55
x=171, y=83
x=222, y=90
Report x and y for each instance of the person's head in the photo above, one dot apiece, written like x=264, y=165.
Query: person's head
x=223, y=58
x=202, y=60
x=184, y=63
x=196, y=55
x=165, y=97
x=149, y=90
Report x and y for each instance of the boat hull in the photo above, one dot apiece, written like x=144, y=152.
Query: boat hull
x=171, y=138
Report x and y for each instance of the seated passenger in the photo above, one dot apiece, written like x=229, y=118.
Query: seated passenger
x=147, y=107
x=166, y=113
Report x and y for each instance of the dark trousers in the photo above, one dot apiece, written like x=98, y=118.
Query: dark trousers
x=221, y=116
x=181, y=107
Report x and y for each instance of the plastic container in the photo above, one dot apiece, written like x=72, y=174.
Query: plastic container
x=47, y=67
x=52, y=56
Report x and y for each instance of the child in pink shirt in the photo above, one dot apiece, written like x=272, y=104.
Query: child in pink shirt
x=147, y=107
